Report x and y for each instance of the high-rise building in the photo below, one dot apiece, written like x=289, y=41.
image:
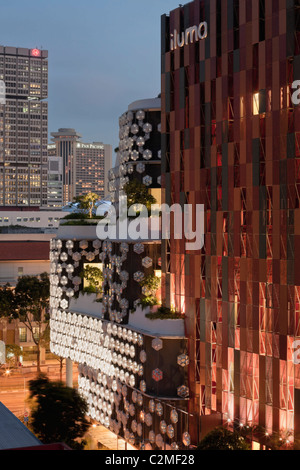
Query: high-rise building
x=85, y=165
x=93, y=161
x=23, y=127
x=66, y=142
x=55, y=184
x=230, y=141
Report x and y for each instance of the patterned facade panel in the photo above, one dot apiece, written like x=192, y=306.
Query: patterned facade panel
x=230, y=134
x=135, y=383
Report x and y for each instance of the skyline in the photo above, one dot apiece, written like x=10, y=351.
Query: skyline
x=91, y=83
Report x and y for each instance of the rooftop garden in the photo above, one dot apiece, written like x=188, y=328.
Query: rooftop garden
x=85, y=212
x=93, y=280
x=138, y=193
x=150, y=286
x=165, y=313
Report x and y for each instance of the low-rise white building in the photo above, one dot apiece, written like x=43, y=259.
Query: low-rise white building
x=31, y=219
x=23, y=254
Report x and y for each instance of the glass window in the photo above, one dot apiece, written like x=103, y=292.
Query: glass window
x=256, y=104
x=36, y=333
x=23, y=335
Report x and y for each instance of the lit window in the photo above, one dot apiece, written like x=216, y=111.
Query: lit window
x=36, y=333
x=22, y=335
x=256, y=104
x=20, y=271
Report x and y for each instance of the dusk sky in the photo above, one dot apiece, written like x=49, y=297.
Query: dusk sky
x=103, y=54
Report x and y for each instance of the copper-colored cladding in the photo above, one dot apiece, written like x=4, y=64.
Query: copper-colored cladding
x=241, y=293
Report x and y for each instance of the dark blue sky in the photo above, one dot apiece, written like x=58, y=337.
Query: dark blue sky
x=103, y=54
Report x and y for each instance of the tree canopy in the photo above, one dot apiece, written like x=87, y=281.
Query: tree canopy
x=138, y=193
x=7, y=302
x=32, y=296
x=58, y=413
x=223, y=439
x=28, y=302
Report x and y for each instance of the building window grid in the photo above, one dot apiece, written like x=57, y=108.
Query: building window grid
x=249, y=243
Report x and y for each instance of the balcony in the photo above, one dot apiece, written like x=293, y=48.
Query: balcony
x=168, y=327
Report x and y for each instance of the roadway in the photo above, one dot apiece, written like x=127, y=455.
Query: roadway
x=14, y=394
x=14, y=386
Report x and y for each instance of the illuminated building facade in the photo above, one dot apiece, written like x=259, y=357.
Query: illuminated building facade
x=23, y=127
x=55, y=185
x=66, y=141
x=85, y=165
x=230, y=141
x=132, y=367
x=93, y=161
x=139, y=151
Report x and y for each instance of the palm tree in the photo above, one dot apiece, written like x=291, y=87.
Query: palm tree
x=87, y=202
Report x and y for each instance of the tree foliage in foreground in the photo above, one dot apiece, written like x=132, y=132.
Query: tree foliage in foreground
x=29, y=302
x=222, y=439
x=58, y=413
x=7, y=300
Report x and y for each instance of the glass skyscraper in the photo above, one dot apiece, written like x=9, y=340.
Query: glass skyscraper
x=23, y=127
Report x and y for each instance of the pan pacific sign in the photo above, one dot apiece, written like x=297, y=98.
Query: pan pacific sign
x=189, y=36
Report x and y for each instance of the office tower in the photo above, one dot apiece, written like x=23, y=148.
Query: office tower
x=93, y=161
x=66, y=141
x=55, y=184
x=85, y=165
x=230, y=141
x=23, y=127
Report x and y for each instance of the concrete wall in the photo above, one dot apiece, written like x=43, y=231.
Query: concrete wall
x=10, y=271
x=158, y=327
x=33, y=219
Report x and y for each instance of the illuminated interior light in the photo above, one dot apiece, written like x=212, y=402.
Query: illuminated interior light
x=256, y=104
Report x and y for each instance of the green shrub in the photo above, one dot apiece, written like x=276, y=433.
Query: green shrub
x=76, y=216
x=82, y=222
x=163, y=315
x=148, y=301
